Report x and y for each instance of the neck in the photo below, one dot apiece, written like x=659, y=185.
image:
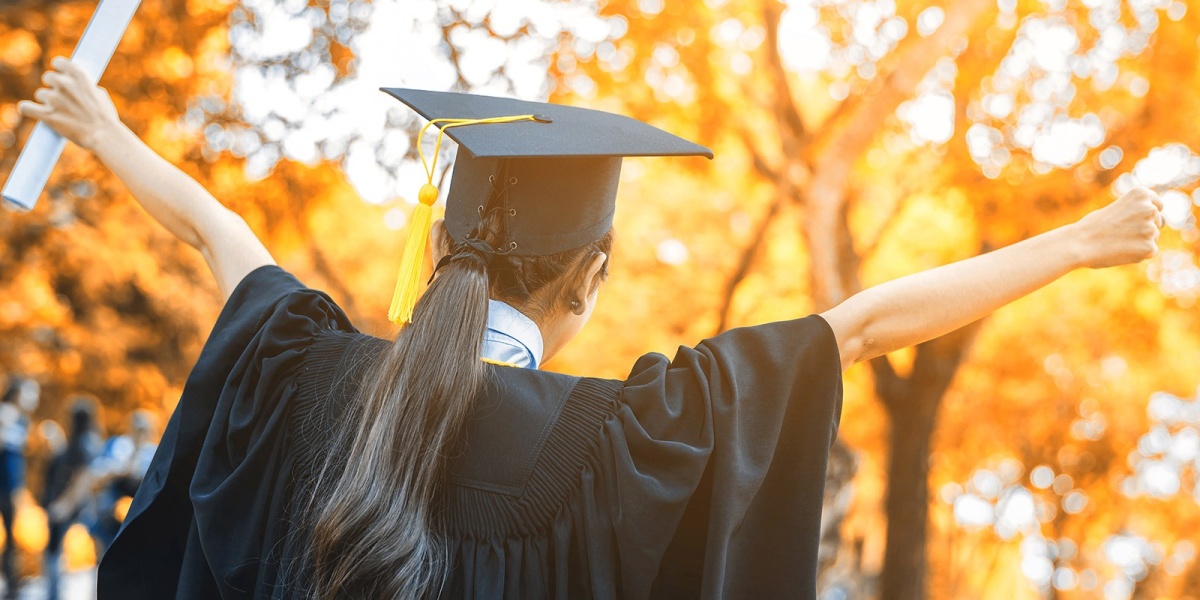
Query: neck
x=512, y=337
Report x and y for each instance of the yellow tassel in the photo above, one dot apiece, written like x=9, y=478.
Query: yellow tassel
x=404, y=299
x=408, y=281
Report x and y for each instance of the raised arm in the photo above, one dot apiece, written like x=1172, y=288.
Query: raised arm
x=84, y=114
x=914, y=309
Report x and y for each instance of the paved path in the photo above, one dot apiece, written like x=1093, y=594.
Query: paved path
x=75, y=585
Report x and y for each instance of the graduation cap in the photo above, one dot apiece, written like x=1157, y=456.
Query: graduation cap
x=551, y=169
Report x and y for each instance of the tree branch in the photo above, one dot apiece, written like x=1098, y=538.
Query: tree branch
x=843, y=140
x=786, y=112
x=746, y=260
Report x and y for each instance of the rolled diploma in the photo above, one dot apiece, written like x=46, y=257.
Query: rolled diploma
x=41, y=151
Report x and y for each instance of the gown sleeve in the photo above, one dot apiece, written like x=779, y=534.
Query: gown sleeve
x=718, y=462
x=207, y=516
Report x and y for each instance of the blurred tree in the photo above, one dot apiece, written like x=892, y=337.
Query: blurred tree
x=841, y=110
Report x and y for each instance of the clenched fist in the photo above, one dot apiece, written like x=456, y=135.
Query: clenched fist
x=1123, y=232
x=71, y=104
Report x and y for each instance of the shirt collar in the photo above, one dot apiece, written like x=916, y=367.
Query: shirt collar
x=511, y=336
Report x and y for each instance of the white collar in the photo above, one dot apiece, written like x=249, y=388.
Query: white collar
x=512, y=337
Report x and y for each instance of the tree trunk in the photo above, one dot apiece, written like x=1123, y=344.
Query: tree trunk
x=818, y=165
x=912, y=403
x=908, y=502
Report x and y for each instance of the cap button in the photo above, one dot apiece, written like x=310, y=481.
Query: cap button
x=542, y=119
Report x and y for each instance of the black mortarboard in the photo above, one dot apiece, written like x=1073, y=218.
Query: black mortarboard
x=554, y=168
x=565, y=165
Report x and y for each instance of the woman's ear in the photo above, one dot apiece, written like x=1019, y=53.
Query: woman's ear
x=437, y=240
x=586, y=285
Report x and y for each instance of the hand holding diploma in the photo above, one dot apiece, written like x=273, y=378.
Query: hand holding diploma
x=72, y=105
x=42, y=149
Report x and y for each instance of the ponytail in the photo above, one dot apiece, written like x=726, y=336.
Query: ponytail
x=375, y=532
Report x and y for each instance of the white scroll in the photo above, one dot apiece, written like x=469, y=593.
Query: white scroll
x=41, y=151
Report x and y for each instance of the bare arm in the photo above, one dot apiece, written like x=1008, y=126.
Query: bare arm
x=84, y=114
x=82, y=484
x=920, y=307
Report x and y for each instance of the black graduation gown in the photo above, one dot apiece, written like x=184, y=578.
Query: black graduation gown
x=700, y=476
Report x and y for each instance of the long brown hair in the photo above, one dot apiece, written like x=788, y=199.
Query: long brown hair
x=375, y=530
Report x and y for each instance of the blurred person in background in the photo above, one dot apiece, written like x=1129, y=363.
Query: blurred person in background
x=307, y=459
x=55, y=439
x=19, y=402
x=115, y=475
x=67, y=480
